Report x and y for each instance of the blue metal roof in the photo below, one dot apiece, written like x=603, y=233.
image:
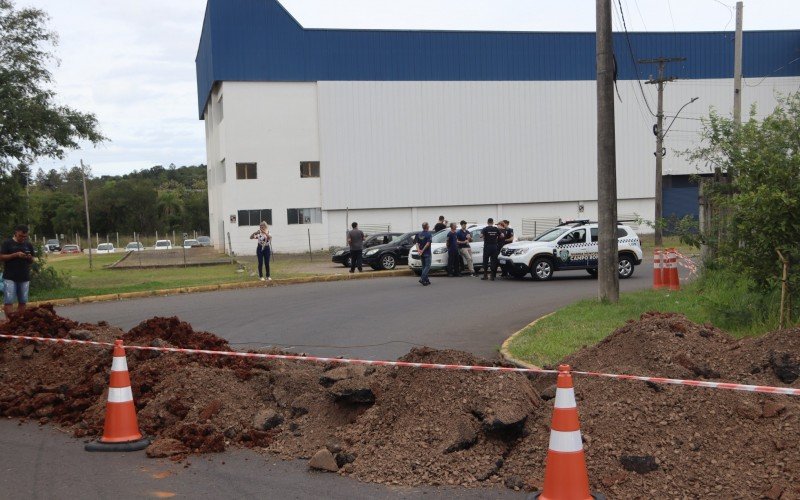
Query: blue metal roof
x=258, y=40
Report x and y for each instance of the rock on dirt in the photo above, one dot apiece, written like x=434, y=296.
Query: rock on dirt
x=166, y=447
x=323, y=460
x=267, y=419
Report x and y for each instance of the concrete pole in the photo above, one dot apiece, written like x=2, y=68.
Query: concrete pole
x=86, y=206
x=737, y=68
x=659, y=208
x=607, y=267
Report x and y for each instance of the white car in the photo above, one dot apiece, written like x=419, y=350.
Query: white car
x=570, y=246
x=163, y=245
x=134, y=246
x=439, y=251
x=105, y=248
x=191, y=243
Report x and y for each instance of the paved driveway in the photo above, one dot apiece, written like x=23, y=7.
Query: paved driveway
x=377, y=318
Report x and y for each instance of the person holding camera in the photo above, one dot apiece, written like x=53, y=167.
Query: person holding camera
x=263, y=249
x=17, y=254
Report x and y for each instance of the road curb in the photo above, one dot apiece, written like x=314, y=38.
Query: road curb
x=223, y=286
x=504, y=352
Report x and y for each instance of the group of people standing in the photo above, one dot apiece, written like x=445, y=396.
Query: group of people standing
x=458, y=249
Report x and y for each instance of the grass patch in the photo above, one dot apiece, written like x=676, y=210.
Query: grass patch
x=716, y=298
x=100, y=281
x=648, y=244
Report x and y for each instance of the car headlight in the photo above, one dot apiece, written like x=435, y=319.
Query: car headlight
x=520, y=251
x=372, y=252
x=440, y=250
x=339, y=252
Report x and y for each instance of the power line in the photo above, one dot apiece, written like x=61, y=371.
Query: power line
x=633, y=59
x=772, y=73
x=730, y=13
x=636, y=2
x=669, y=5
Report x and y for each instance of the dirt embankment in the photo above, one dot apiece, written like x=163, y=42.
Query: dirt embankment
x=405, y=426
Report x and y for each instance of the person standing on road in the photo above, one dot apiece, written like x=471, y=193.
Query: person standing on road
x=355, y=240
x=508, y=238
x=464, y=238
x=442, y=224
x=17, y=254
x=423, y=241
x=453, y=256
x=491, y=236
x=263, y=249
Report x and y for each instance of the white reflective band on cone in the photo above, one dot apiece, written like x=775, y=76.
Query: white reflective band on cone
x=565, y=442
x=565, y=398
x=119, y=364
x=122, y=395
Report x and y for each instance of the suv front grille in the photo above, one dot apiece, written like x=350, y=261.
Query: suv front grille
x=506, y=252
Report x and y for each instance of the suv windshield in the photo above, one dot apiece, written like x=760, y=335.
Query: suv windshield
x=552, y=234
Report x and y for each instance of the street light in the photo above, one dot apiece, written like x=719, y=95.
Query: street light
x=660, y=133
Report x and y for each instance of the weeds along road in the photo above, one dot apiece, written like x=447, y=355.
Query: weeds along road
x=377, y=318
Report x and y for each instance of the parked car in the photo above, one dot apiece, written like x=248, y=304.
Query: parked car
x=52, y=246
x=439, y=251
x=105, y=248
x=570, y=246
x=342, y=255
x=68, y=249
x=134, y=246
x=204, y=241
x=191, y=243
x=392, y=254
x=163, y=245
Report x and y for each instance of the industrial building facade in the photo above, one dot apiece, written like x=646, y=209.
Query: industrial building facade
x=310, y=129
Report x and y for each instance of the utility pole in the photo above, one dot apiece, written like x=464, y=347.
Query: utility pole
x=608, y=261
x=659, y=133
x=86, y=205
x=737, y=68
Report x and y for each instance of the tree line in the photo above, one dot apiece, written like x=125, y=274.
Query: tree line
x=155, y=199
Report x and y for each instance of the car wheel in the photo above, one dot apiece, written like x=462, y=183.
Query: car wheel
x=625, y=267
x=388, y=262
x=592, y=272
x=542, y=269
x=348, y=262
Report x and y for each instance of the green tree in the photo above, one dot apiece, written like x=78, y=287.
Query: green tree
x=32, y=124
x=761, y=203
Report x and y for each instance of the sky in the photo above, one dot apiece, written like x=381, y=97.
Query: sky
x=132, y=63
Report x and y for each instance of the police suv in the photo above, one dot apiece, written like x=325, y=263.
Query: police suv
x=570, y=246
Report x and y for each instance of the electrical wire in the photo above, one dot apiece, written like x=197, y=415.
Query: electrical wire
x=772, y=73
x=669, y=6
x=633, y=59
x=730, y=13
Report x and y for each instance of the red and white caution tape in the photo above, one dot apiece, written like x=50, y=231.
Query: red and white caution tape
x=686, y=262
x=435, y=366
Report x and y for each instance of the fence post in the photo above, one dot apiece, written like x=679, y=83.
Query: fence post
x=310, y=255
x=173, y=236
x=230, y=246
x=535, y=232
x=184, y=255
x=97, y=237
x=117, y=239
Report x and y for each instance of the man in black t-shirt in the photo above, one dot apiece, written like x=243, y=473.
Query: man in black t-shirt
x=508, y=237
x=16, y=253
x=491, y=236
x=442, y=224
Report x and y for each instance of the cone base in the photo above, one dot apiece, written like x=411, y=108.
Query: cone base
x=129, y=446
x=536, y=495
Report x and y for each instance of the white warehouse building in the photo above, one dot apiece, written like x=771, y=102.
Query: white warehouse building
x=310, y=129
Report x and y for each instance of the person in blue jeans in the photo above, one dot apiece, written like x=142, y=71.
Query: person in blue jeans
x=424, y=249
x=263, y=249
x=17, y=255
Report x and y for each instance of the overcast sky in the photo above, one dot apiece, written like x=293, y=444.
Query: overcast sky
x=132, y=63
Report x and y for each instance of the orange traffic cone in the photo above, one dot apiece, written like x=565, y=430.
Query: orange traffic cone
x=674, y=281
x=565, y=475
x=121, y=429
x=658, y=270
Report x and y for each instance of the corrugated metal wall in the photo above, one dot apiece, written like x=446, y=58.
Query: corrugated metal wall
x=257, y=40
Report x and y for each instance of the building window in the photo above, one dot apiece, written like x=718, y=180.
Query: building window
x=246, y=171
x=254, y=217
x=304, y=215
x=309, y=169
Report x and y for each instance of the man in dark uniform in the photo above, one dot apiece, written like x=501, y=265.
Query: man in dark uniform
x=453, y=256
x=508, y=237
x=423, y=242
x=491, y=237
x=17, y=255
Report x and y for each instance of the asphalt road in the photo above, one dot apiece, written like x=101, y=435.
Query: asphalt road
x=376, y=318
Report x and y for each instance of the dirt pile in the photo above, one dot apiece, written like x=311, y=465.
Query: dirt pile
x=406, y=427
